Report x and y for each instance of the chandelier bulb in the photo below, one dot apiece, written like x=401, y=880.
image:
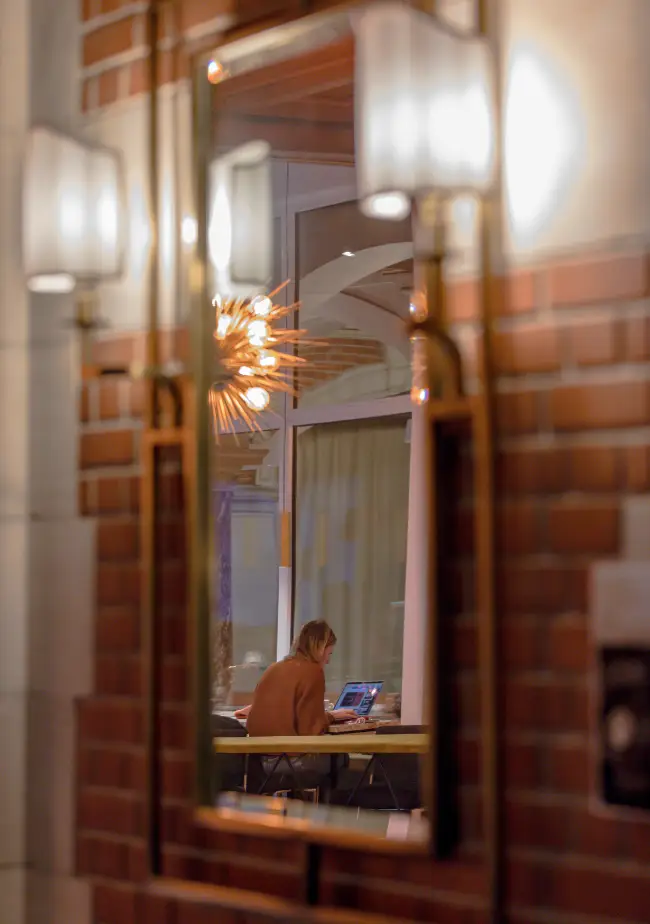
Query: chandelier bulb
x=256, y=398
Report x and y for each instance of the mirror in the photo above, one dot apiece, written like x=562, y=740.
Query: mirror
x=308, y=494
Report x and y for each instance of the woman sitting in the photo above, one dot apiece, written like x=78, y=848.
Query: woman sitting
x=290, y=697
x=290, y=700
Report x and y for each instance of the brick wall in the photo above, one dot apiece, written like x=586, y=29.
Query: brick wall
x=573, y=405
x=572, y=345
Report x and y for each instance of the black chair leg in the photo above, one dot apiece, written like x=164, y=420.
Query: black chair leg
x=361, y=780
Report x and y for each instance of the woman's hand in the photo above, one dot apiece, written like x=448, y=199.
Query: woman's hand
x=343, y=715
x=243, y=712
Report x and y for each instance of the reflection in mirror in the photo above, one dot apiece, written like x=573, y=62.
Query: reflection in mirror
x=310, y=515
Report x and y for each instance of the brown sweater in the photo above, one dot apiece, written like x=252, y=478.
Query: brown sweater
x=289, y=700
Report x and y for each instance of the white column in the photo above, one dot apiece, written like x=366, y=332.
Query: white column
x=417, y=594
x=62, y=548
x=45, y=551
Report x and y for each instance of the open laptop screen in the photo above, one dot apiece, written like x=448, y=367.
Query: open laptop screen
x=359, y=696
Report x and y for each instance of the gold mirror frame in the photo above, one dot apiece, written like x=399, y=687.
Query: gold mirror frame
x=477, y=409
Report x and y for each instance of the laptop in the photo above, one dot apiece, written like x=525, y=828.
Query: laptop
x=359, y=696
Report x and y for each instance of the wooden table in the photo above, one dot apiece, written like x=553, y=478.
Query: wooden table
x=365, y=744
x=353, y=743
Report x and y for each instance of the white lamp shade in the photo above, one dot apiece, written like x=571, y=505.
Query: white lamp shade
x=240, y=234
x=73, y=213
x=423, y=110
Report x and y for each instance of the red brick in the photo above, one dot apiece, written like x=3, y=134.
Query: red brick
x=118, y=629
x=117, y=352
x=111, y=6
x=532, y=705
x=174, y=634
x=110, y=40
x=568, y=767
x=86, y=9
x=594, y=468
x=517, y=412
x=171, y=539
x=512, y=295
x=112, y=768
x=579, y=528
x=174, y=683
x=112, y=447
x=100, y=767
x=134, y=491
x=197, y=12
x=569, y=645
x=518, y=528
x=108, y=83
x=538, y=825
x=170, y=496
x=464, y=645
x=118, y=541
x=138, y=398
x=118, y=675
x=118, y=584
x=113, y=495
x=637, y=339
x=84, y=402
x=177, y=780
x=592, y=407
x=526, y=350
x=637, y=467
x=601, y=280
x=175, y=728
x=531, y=471
x=137, y=862
x=522, y=765
x=110, y=721
x=115, y=813
x=83, y=500
x=596, y=343
x=115, y=904
x=102, y=856
x=172, y=582
x=521, y=644
x=525, y=588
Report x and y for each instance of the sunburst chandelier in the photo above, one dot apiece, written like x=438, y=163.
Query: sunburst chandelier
x=255, y=357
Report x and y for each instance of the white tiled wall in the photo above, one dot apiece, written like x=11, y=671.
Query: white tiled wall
x=46, y=552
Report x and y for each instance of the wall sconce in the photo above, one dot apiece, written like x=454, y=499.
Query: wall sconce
x=424, y=134
x=240, y=231
x=424, y=121
x=73, y=213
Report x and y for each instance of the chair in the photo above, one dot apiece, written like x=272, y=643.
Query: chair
x=389, y=782
x=275, y=775
x=230, y=769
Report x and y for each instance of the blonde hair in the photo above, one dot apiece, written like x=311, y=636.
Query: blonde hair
x=313, y=639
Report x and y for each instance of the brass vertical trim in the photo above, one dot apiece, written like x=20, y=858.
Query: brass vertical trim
x=150, y=646
x=201, y=327
x=286, y=527
x=490, y=243
x=152, y=346
x=428, y=289
x=148, y=485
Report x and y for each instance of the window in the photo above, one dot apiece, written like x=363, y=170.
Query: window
x=310, y=515
x=351, y=504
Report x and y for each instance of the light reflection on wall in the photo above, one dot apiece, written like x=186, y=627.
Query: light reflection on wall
x=544, y=143
x=140, y=233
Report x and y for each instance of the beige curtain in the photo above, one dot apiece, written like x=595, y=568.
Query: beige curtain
x=351, y=515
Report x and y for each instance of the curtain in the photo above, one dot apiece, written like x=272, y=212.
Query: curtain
x=351, y=517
